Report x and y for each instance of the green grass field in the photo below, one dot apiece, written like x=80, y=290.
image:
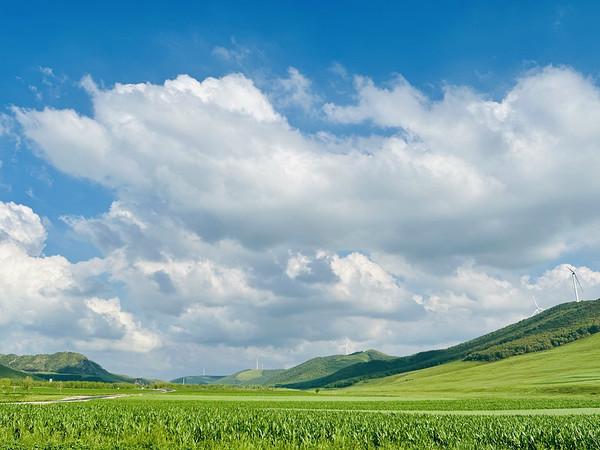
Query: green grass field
x=548, y=399
x=572, y=370
x=51, y=392
x=286, y=420
x=268, y=419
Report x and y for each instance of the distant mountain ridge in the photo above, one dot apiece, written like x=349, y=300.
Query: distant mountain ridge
x=312, y=369
x=197, y=379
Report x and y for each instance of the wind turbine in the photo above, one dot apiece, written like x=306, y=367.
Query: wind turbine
x=347, y=347
x=538, y=308
x=575, y=283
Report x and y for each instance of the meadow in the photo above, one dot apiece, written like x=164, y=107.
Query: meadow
x=265, y=419
x=548, y=399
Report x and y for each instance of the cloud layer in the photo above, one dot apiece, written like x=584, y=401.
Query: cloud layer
x=233, y=230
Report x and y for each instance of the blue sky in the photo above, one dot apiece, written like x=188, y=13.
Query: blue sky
x=188, y=185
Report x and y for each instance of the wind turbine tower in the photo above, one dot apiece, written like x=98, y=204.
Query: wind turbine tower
x=575, y=283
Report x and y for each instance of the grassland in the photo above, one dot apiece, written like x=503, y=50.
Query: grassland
x=229, y=417
x=573, y=370
x=288, y=420
x=17, y=391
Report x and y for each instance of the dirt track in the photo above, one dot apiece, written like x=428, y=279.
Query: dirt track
x=85, y=398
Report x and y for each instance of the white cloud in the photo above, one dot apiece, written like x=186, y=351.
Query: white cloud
x=367, y=284
x=401, y=106
x=49, y=297
x=338, y=69
x=297, y=264
x=5, y=124
x=77, y=145
x=235, y=53
x=232, y=228
x=296, y=91
x=19, y=225
x=135, y=338
x=47, y=71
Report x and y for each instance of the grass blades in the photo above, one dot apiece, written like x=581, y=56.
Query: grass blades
x=159, y=424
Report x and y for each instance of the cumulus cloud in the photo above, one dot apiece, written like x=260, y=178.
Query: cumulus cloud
x=49, y=297
x=366, y=282
x=297, y=264
x=133, y=337
x=232, y=229
x=20, y=226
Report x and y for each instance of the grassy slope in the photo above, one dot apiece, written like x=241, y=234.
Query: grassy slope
x=7, y=372
x=556, y=326
x=572, y=369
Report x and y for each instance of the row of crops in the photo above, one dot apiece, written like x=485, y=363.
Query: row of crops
x=156, y=424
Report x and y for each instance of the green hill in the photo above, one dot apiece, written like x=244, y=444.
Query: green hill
x=324, y=366
x=312, y=369
x=554, y=327
x=571, y=369
x=199, y=379
x=65, y=366
x=7, y=372
x=250, y=377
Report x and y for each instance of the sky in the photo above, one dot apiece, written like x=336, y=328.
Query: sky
x=188, y=186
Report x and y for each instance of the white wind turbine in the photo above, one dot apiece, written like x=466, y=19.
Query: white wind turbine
x=538, y=308
x=347, y=347
x=575, y=283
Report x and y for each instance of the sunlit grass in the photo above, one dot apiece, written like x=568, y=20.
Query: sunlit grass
x=573, y=369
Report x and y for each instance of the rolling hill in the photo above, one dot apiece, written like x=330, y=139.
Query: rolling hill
x=571, y=369
x=63, y=366
x=553, y=327
x=312, y=369
x=7, y=372
x=199, y=379
x=250, y=377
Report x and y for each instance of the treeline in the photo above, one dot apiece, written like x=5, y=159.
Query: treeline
x=532, y=343
x=208, y=387
x=29, y=382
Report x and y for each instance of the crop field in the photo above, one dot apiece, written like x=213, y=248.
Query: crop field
x=283, y=420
